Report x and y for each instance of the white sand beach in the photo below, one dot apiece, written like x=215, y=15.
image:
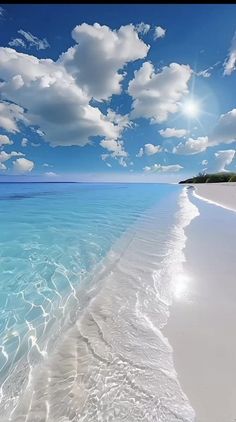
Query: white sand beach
x=201, y=327
x=223, y=194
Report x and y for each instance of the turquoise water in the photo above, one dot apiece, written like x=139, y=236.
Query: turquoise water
x=52, y=237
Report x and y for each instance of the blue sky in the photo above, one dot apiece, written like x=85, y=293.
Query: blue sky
x=117, y=92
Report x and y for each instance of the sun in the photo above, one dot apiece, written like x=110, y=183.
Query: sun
x=191, y=108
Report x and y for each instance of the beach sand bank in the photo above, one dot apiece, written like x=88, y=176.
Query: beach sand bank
x=223, y=194
x=202, y=319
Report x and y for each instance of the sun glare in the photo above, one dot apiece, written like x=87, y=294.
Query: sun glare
x=191, y=108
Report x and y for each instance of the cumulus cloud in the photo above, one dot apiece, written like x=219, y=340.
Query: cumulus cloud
x=57, y=96
x=103, y=52
x=29, y=41
x=156, y=95
x=24, y=142
x=22, y=165
x=4, y=156
x=4, y=140
x=115, y=147
x=54, y=102
x=204, y=162
x=171, y=132
x=116, y=150
x=225, y=129
x=159, y=32
x=156, y=168
x=121, y=122
x=142, y=28
x=10, y=115
x=151, y=149
x=223, y=159
x=230, y=63
x=192, y=146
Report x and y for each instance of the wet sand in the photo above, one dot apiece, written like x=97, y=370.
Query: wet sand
x=201, y=327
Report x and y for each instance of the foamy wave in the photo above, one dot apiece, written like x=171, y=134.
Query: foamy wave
x=114, y=363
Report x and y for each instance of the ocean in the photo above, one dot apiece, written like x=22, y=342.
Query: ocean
x=87, y=278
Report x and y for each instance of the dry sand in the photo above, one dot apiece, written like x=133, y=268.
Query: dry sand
x=223, y=194
x=201, y=327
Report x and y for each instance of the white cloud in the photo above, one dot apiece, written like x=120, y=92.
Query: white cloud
x=2, y=11
x=54, y=102
x=159, y=32
x=230, y=63
x=171, y=132
x=46, y=165
x=156, y=95
x=225, y=129
x=204, y=162
x=4, y=140
x=104, y=156
x=223, y=159
x=10, y=115
x=50, y=174
x=115, y=147
x=192, y=146
x=116, y=151
x=24, y=142
x=2, y=167
x=29, y=41
x=122, y=162
x=17, y=42
x=140, y=153
x=39, y=132
x=206, y=73
x=102, y=52
x=108, y=165
x=151, y=149
x=156, y=168
x=33, y=144
x=22, y=165
x=142, y=28
x=4, y=156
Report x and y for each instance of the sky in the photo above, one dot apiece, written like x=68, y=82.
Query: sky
x=136, y=93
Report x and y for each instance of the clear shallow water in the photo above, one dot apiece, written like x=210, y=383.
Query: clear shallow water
x=119, y=243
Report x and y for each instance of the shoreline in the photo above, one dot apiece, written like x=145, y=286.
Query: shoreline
x=202, y=317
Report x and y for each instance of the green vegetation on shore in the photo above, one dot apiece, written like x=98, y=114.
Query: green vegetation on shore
x=212, y=178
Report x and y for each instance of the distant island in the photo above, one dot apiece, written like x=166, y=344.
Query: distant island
x=211, y=178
